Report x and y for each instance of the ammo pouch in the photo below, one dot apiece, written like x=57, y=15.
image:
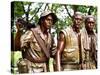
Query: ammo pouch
x=23, y=65
x=26, y=66
x=70, y=55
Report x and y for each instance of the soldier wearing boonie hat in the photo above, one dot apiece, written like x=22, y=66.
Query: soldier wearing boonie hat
x=32, y=49
x=46, y=13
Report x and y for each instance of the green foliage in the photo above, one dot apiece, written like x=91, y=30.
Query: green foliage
x=55, y=7
x=15, y=55
x=36, y=19
x=83, y=9
x=18, y=10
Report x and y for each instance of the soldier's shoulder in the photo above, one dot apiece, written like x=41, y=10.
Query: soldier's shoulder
x=28, y=32
x=36, y=28
x=68, y=29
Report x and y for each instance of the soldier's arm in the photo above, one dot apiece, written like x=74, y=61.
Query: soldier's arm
x=26, y=39
x=17, y=40
x=60, y=48
x=18, y=35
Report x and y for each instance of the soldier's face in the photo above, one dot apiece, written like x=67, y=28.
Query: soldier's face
x=90, y=24
x=77, y=21
x=48, y=22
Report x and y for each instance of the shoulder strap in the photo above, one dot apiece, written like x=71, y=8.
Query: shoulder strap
x=41, y=43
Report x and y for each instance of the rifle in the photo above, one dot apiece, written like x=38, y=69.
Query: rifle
x=93, y=53
x=80, y=52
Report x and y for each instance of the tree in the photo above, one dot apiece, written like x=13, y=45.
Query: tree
x=31, y=11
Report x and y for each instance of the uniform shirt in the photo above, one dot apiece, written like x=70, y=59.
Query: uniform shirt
x=29, y=41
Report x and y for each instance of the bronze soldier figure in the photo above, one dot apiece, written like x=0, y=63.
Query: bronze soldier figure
x=68, y=56
x=90, y=43
x=36, y=43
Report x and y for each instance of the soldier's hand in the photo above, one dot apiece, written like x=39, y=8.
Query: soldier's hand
x=19, y=26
